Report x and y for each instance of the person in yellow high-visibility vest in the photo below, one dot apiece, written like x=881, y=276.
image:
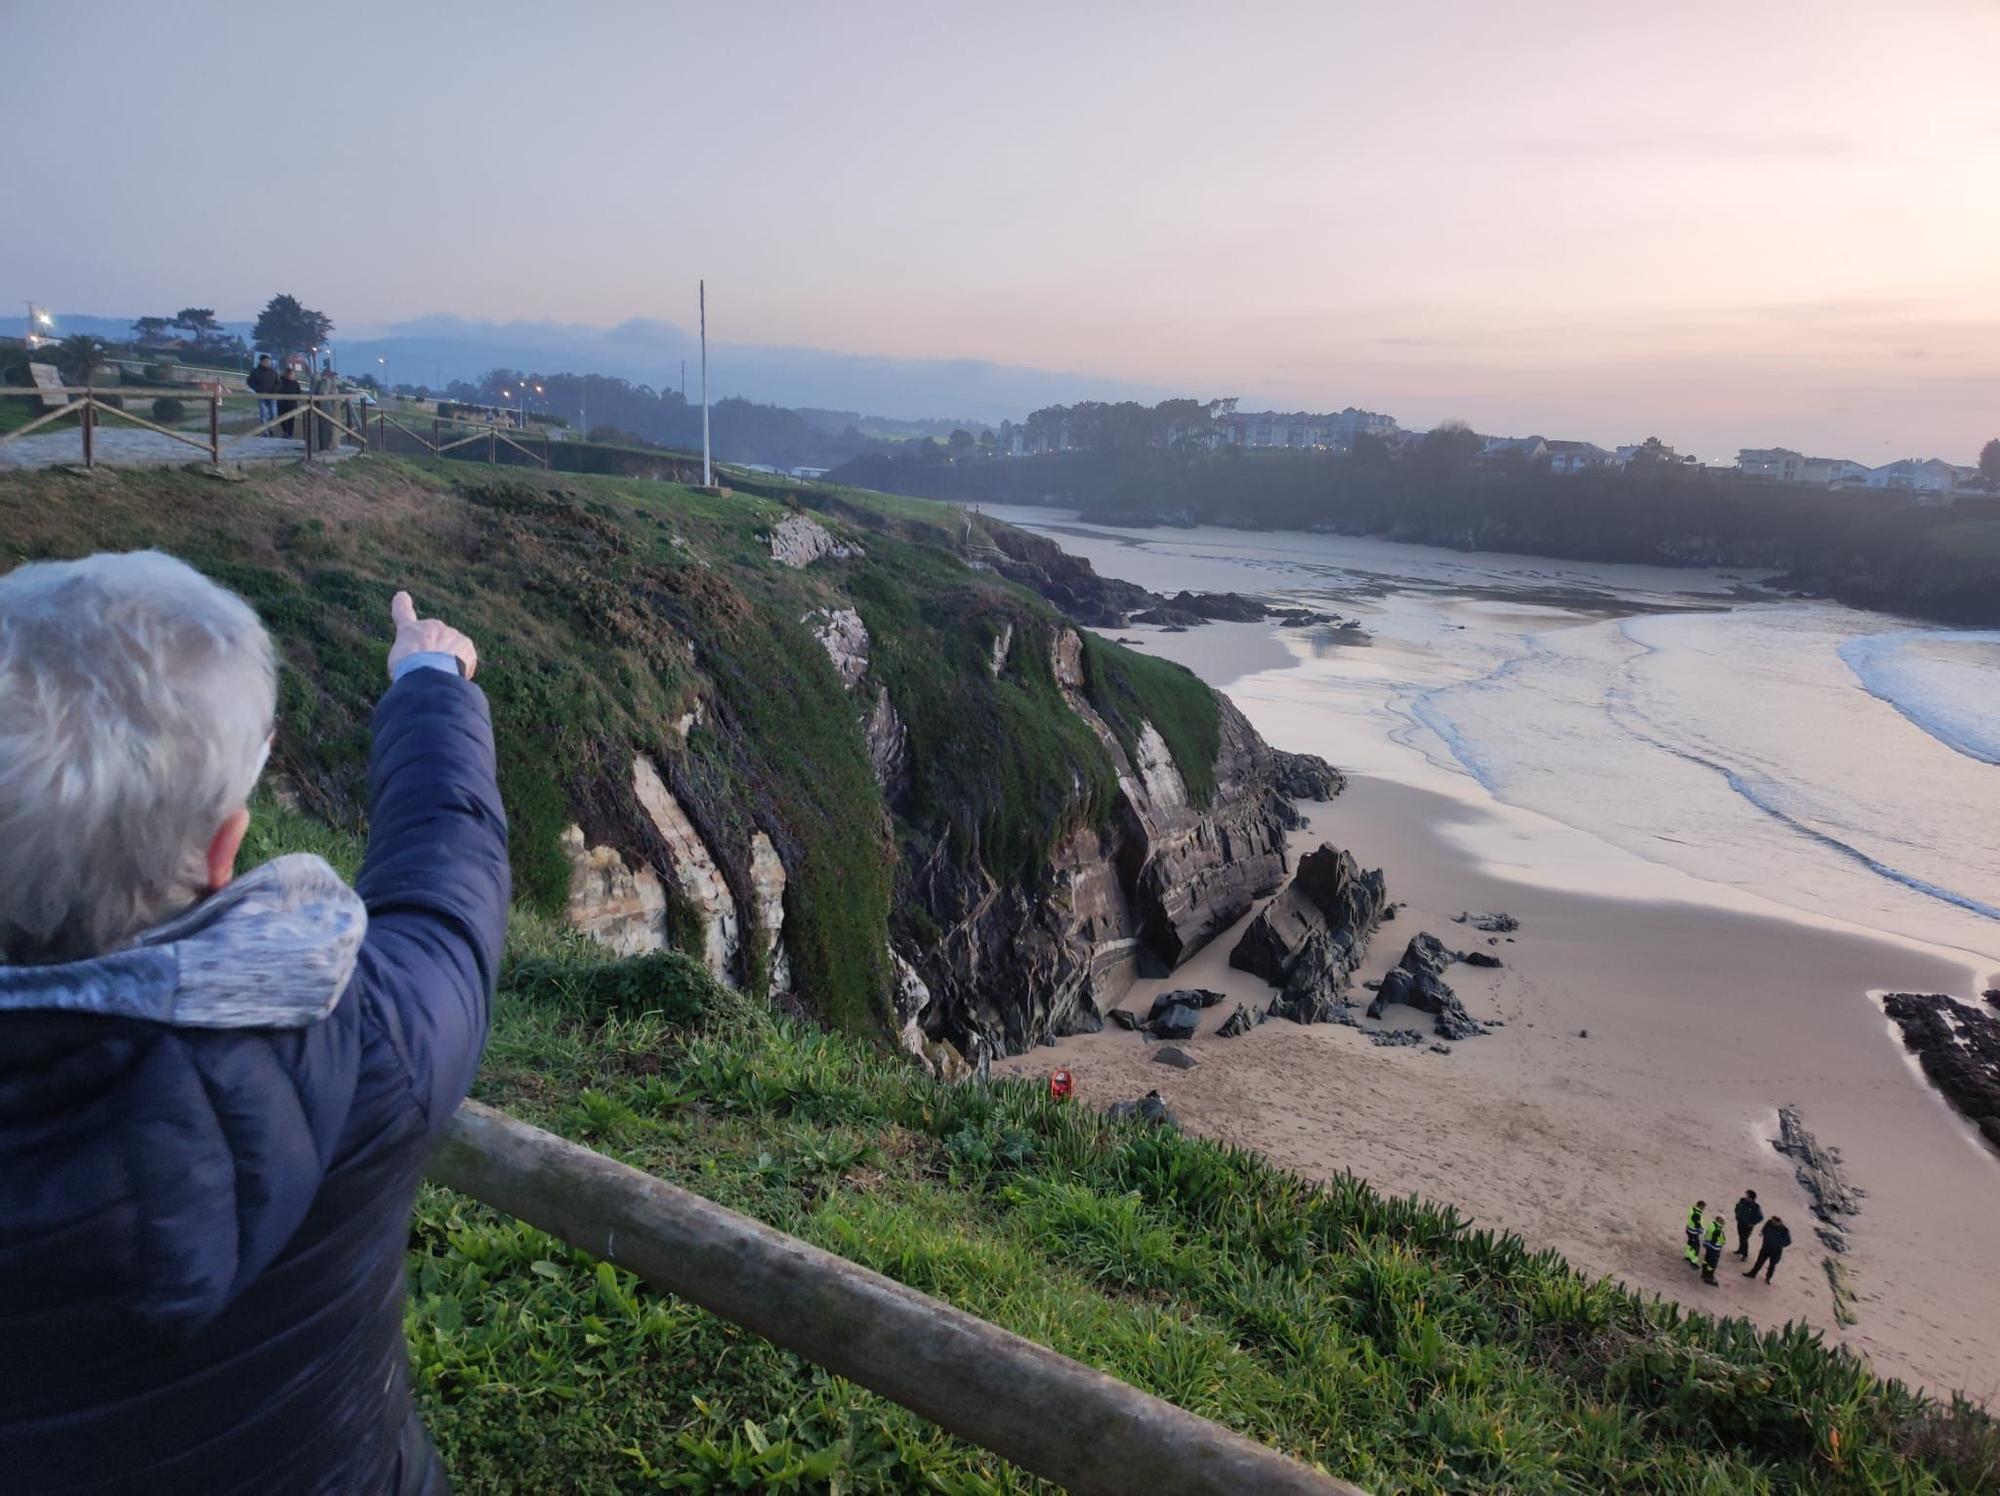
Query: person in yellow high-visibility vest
x=1694, y=1233
x=1712, y=1242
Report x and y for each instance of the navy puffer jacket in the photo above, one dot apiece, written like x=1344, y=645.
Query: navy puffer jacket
x=210, y=1143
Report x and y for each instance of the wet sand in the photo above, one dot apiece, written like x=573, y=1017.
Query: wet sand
x=1702, y=1020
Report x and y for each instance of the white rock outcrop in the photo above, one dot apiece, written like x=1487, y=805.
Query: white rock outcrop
x=844, y=637
x=798, y=541
x=767, y=885
x=696, y=878
x=621, y=907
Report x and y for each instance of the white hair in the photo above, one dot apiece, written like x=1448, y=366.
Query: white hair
x=136, y=705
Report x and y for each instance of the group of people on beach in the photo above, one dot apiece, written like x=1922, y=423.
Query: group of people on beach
x=1707, y=1236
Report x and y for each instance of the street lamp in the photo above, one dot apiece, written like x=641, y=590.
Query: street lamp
x=383, y=360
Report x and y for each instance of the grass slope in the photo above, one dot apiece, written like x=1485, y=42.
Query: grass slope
x=607, y=609
x=1381, y=1338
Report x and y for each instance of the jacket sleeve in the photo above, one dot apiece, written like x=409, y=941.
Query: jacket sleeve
x=435, y=881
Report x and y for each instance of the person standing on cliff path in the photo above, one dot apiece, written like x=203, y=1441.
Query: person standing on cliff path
x=1694, y=1221
x=1771, y=1244
x=217, y=1092
x=263, y=382
x=1748, y=1214
x=1713, y=1241
x=289, y=386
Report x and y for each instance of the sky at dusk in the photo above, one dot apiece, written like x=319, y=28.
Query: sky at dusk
x=1728, y=224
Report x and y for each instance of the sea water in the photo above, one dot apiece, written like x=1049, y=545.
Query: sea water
x=1840, y=763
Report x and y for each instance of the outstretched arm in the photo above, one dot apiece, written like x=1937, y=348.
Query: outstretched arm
x=436, y=878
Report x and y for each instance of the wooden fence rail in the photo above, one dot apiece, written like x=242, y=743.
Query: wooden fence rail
x=90, y=404
x=1053, y=1417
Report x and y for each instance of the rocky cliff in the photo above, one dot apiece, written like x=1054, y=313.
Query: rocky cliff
x=1137, y=891
x=1006, y=958
x=837, y=756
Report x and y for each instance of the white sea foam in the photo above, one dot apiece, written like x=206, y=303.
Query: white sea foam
x=1945, y=681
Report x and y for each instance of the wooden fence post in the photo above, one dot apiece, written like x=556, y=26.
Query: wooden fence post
x=215, y=427
x=1088, y=1432
x=89, y=421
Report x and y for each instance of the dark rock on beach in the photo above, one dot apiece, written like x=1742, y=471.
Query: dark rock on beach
x=1125, y=1018
x=1492, y=924
x=1479, y=958
x=1328, y=897
x=1199, y=997
x=1180, y=1059
x=1240, y=1022
x=1177, y=1021
x=1958, y=1047
x=1151, y=1107
x=1819, y=1170
x=1395, y=1038
x=1416, y=982
x=1308, y=1007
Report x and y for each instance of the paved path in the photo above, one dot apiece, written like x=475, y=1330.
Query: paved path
x=134, y=448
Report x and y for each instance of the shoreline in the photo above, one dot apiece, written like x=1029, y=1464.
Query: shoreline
x=1702, y=1021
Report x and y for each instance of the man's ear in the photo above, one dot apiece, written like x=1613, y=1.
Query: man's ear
x=223, y=847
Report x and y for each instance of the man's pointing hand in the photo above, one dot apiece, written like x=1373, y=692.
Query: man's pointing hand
x=416, y=635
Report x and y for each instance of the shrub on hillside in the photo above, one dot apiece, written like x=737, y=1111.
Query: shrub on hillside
x=168, y=411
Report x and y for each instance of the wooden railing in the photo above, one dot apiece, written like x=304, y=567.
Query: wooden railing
x=319, y=421
x=91, y=405
x=1053, y=1417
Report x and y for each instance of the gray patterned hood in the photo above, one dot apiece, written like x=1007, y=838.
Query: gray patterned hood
x=274, y=949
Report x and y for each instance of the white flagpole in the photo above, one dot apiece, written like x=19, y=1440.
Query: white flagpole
x=707, y=467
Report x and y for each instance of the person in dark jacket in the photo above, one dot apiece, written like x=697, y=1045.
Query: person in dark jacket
x=1748, y=1214
x=217, y=1092
x=263, y=382
x=1771, y=1244
x=289, y=389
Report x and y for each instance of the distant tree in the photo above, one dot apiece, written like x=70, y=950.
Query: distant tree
x=986, y=440
x=961, y=442
x=78, y=357
x=1652, y=450
x=285, y=326
x=1369, y=451
x=1448, y=445
x=1989, y=465
x=198, y=320
x=150, y=329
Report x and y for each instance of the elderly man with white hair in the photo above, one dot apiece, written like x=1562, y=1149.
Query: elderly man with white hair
x=216, y=1092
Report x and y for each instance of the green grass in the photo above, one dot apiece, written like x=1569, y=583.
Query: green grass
x=1382, y=1339
x=1129, y=689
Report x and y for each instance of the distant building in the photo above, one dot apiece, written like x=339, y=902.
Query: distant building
x=1579, y=457
x=1786, y=466
x=1299, y=428
x=1652, y=449
x=1780, y=463
x=1512, y=448
x=1930, y=479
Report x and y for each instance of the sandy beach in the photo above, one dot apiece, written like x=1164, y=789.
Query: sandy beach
x=1703, y=1012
